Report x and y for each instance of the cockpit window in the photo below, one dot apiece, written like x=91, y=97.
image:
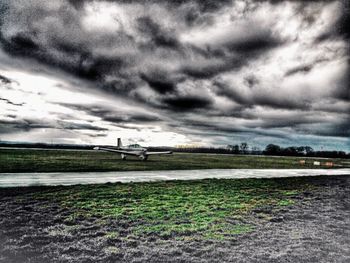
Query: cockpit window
x=134, y=146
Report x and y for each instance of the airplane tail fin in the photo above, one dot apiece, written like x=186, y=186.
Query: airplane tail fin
x=119, y=144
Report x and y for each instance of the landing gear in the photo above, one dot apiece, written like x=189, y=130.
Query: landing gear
x=143, y=157
x=123, y=156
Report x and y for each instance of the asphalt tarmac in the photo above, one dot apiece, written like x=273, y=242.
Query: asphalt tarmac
x=71, y=178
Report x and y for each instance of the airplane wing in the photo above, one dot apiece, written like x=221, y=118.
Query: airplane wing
x=115, y=151
x=158, y=153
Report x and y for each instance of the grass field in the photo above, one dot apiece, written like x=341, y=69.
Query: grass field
x=28, y=160
x=205, y=208
x=178, y=221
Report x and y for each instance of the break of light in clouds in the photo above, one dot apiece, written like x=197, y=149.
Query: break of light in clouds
x=176, y=72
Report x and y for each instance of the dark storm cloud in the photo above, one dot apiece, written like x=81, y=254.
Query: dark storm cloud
x=305, y=68
x=219, y=128
x=270, y=127
x=124, y=118
x=223, y=89
x=341, y=27
x=59, y=41
x=300, y=69
x=293, y=121
x=79, y=126
x=158, y=36
x=343, y=24
x=187, y=103
x=253, y=44
x=213, y=68
x=78, y=3
x=12, y=103
x=285, y=103
x=69, y=47
x=65, y=56
x=209, y=58
x=202, y=5
x=112, y=115
x=268, y=100
x=233, y=53
x=302, y=2
x=341, y=128
x=343, y=88
x=251, y=81
x=15, y=125
x=241, y=112
x=158, y=81
x=97, y=135
x=205, y=5
x=5, y=80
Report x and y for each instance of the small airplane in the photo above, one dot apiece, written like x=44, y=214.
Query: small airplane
x=132, y=149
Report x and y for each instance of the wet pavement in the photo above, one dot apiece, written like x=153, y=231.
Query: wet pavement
x=71, y=178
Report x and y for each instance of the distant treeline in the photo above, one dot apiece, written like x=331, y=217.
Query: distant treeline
x=191, y=149
x=243, y=148
x=46, y=145
x=273, y=149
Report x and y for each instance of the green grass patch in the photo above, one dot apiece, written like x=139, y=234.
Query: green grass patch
x=286, y=202
x=208, y=208
x=112, y=235
x=290, y=193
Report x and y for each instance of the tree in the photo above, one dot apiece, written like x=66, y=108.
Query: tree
x=256, y=150
x=233, y=148
x=244, y=147
x=272, y=149
x=229, y=147
x=290, y=151
x=308, y=150
x=304, y=150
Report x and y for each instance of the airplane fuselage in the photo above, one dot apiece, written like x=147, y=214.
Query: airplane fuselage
x=133, y=149
x=139, y=150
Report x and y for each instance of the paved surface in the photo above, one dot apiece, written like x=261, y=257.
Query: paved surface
x=36, y=179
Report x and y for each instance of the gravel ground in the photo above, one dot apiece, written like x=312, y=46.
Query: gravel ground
x=315, y=229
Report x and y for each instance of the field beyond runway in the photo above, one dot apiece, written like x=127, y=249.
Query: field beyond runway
x=30, y=160
x=303, y=219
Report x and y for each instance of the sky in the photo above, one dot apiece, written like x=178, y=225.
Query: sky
x=167, y=73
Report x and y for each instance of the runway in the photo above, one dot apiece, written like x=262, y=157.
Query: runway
x=40, y=179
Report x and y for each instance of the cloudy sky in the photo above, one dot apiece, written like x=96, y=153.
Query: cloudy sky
x=176, y=72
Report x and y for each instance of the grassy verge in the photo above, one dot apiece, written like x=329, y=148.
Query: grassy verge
x=207, y=209
x=16, y=160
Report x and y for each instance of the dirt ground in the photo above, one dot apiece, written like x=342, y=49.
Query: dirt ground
x=316, y=228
